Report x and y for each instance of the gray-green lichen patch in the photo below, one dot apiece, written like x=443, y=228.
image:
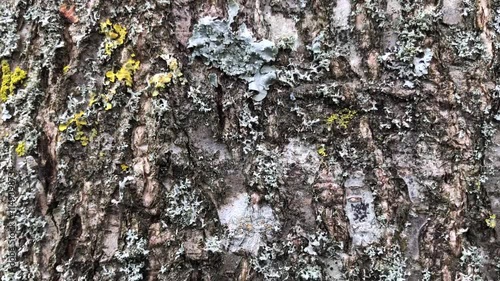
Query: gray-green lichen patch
x=18, y=189
x=472, y=262
x=467, y=44
x=388, y=263
x=51, y=29
x=261, y=81
x=298, y=256
x=268, y=172
x=235, y=53
x=496, y=21
x=9, y=36
x=322, y=51
x=406, y=54
x=132, y=257
x=184, y=205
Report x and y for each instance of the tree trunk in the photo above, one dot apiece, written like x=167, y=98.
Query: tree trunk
x=249, y=140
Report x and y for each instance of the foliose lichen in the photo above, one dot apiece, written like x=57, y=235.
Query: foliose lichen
x=268, y=173
x=8, y=29
x=10, y=80
x=468, y=44
x=21, y=148
x=163, y=79
x=185, y=206
x=125, y=73
x=235, y=53
x=341, y=118
x=115, y=36
x=198, y=99
x=409, y=58
x=387, y=263
x=79, y=121
x=472, y=261
x=491, y=221
x=132, y=256
x=310, y=253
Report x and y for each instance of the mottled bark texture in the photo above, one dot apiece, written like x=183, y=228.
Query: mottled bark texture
x=326, y=140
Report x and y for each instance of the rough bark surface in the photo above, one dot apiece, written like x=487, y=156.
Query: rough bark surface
x=327, y=140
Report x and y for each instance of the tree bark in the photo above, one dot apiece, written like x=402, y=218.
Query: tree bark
x=327, y=140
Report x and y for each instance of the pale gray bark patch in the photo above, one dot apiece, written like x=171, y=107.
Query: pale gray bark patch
x=248, y=224
x=363, y=225
x=452, y=13
x=342, y=11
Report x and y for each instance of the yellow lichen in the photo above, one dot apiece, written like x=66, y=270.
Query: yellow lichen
x=173, y=64
x=322, y=151
x=162, y=79
x=63, y=127
x=76, y=119
x=79, y=121
x=342, y=118
x=478, y=185
x=93, y=134
x=21, y=149
x=128, y=69
x=10, y=80
x=108, y=48
x=108, y=106
x=93, y=99
x=82, y=138
x=66, y=69
x=4, y=90
x=107, y=101
x=125, y=73
x=115, y=36
x=491, y=221
x=124, y=167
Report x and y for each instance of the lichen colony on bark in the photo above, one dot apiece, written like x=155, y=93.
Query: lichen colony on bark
x=249, y=140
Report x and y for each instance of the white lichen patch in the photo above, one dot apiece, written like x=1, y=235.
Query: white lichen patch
x=341, y=13
x=282, y=29
x=185, y=205
x=421, y=64
x=248, y=224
